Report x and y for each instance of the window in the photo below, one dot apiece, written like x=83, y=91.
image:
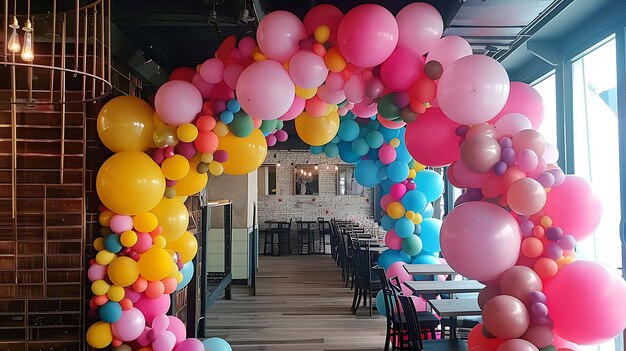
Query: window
x=546, y=87
x=306, y=180
x=346, y=184
x=267, y=179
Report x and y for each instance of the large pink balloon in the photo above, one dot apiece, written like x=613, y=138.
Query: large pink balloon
x=574, y=207
x=473, y=89
x=367, y=35
x=517, y=345
x=506, y=317
x=431, y=139
x=420, y=27
x=323, y=15
x=402, y=69
x=523, y=99
x=153, y=307
x=449, y=49
x=130, y=325
x=480, y=240
x=295, y=110
x=177, y=102
x=307, y=70
x=265, y=90
x=590, y=292
x=279, y=34
x=511, y=124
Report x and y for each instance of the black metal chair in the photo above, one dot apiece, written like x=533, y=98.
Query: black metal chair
x=324, y=230
x=429, y=322
x=396, y=328
x=364, y=286
x=306, y=237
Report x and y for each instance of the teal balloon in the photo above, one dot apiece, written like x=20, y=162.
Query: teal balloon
x=216, y=344
x=363, y=132
x=389, y=257
x=373, y=125
x=386, y=185
x=374, y=139
x=359, y=147
x=316, y=150
x=387, y=107
x=382, y=174
x=267, y=126
x=366, y=173
x=331, y=150
x=348, y=130
x=430, y=183
x=428, y=211
x=233, y=105
x=110, y=312
x=387, y=222
x=112, y=243
x=389, y=134
x=279, y=124
x=187, y=272
x=398, y=171
x=242, y=125
x=412, y=245
x=227, y=116
x=346, y=154
x=380, y=303
x=402, y=154
x=430, y=234
x=373, y=154
x=404, y=227
x=405, y=258
x=336, y=139
x=414, y=200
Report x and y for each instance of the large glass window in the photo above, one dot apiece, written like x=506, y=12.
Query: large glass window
x=546, y=87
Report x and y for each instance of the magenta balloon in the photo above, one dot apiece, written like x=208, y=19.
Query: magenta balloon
x=178, y=102
x=190, y=345
x=420, y=26
x=281, y=135
x=130, y=325
x=479, y=154
x=323, y=15
x=506, y=317
x=519, y=282
x=449, y=49
x=431, y=139
x=473, y=89
x=153, y=307
x=397, y=191
x=511, y=124
x=295, y=110
x=212, y=70
x=466, y=177
x=574, y=207
x=307, y=70
x=231, y=75
x=517, y=345
x=523, y=99
x=387, y=154
x=385, y=200
x=330, y=96
x=265, y=90
x=487, y=293
x=480, y=240
x=402, y=69
x=526, y=196
x=393, y=241
x=279, y=34
x=246, y=45
x=540, y=336
x=367, y=35
x=590, y=292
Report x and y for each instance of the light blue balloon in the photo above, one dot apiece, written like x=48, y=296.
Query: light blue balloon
x=227, y=116
x=388, y=134
x=428, y=211
x=374, y=139
x=402, y=153
x=373, y=125
x=346, y=154
x=424, y=258
x=382, y=174
x=348, y=130
x=387, y=222
x=398, y=171
x=359, y=147
x=233, y=105
x=404, y=227
x=380, y=303
x=316, y=150
x=331, y=150
x=430, y=183
x=187, y=273
x=386, y=185
x=366, y=173
x=389, y=257
x=110, y=312
x=417, y=230
x=414, y=200
x=405, y=258
x=216, y=344
x=430, y=234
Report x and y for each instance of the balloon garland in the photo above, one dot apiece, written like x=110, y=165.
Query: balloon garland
x=389, y=94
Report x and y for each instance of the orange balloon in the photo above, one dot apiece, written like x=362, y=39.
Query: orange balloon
x=532, y=247
x=546, y=268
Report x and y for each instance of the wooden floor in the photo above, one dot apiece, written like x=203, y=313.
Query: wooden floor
x=302, y=305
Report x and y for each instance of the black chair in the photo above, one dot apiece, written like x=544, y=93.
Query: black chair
x=415, y=341
x=306, y=237
x=364, y=286
x=396, y=328
x=334, y=239
x=429, y=322
x=324, y=230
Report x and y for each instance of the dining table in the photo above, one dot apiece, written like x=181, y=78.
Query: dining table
x=453, y=308
x=444, y=287
x=429, y=269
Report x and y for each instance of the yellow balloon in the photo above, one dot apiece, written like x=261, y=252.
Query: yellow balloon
x=145, y=222
x=186, y=246
x=116, y=293
x=154, y=264
x=98, y=244
x=99, y=335
x=395, y=142
x=409, y=215
x=159, y=241
x=105, y=218
x=305, y=93
x=395, y=210
x=173, y=217
x=418, y=166
x=322, y=33
x=123, y=271
x=179, y=277
x=156, y=119
x=105, y=257
x=412, y=173
x=317, y=131
x=128, y=238
x=181, y=199
x=125, y=124
x=206, y=158
x=192, y=183
x=130, y=182
x=220, y=129
x=417, y=219
x=100, y=287
x=175, y=167
x=216, y=168
x=187, y=132
x=244, y=154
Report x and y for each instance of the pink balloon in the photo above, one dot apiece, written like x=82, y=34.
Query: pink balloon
x=365, y=109
x=270, y=140
x=402, y=69
x=517, y=345
x=153, y=307
x=121, y=223
x=561, y=343
x=160, y=322
x=393, y=241
x=295, y=110
x=212, y=70
x=523, y=99
x=449, y=49
x=261, y=99
x=420, y=26
x=387, y=154
x=182, y=73
x=473, y=89
x=144, y=242
x=330, y=96
x=323, y=15
x=231, y=75
x=540, y=336
x=335, y=81
x=354, y=89
x=315, y=106
x=432, y=140
x=307, y=70
x=527, y=160
x=190, y=345
x=574, y=207
x=223, y=92
x=467, y=178
x=177, y=102
x=551, y=154
x=246, y=45
x=385, y=200
x=130, y=325
x=367, y=35
x=203, y=87
x=480, y=240
x=177, y=327
x=165, y=342
x=281, y=136
x=511, y=124
x=526, y=196
x=96, y=272
x=506, y=317
x=397, y=270
x=590, y=292
x=529, y=139
x=390, y=124
x=279, y=34
x=131, y=294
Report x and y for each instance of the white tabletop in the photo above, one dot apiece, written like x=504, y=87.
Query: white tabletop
x=444, y=287
x=378, y=249
x=456, y=307
x=428, y=269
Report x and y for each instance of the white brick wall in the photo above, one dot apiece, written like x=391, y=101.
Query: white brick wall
x=284, y=205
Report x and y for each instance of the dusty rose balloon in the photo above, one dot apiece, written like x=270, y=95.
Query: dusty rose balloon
x=487, y=293
x=402, y=69
x=529, y=139
x=480, y=153
x=212, y=71
x=523, y=99
x=506, y=317
x=203, y=87
x=511, y=124
x=420, y=27
x=519, y=282
x=279, y=34
x=177, y=102
x=480, y=240
x=246, y=45
x=473, y=89
x=540, y=336
x=431, y=139
x=526, y=196
x=323, y=15
x=329, y=96
x=354, y=89
x=307, y=70
x=365, y=109
x=481, y=129
x=335, y=81
x=449, y=49
x=517, y=345
x=261, y=99
x=467, y=178
x=374, y=88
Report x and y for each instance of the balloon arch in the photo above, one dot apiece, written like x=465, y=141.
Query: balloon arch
x=389, y=94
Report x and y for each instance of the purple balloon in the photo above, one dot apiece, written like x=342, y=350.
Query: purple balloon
x=546, y=179
x=559, y=176
x=539, y=309
x=170, y=183
x=402, y=99
x=281, y=135
x=508, y=156
x=538, y=296
x=461, y=130
x=500, y=168
x=187, y=150
x=220, y=156
x=374, y=88
x=527, y=228
x=158, y=156
x=461, y=199
x=567, y=242
x=506, y=142
x=474, y=194
x=554, y=233
x=554, y=251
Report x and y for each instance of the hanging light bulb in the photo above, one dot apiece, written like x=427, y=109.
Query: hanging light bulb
x=27, y=52
x=315, y=167
x=14, y=42
x=336, y=168
x=278, y=164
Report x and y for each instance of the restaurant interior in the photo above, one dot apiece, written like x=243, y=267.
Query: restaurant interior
x=247, y=175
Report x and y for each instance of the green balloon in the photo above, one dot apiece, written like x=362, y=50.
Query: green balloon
x=387, y=107
x=548, y=348
x=412, y=245
x=242, y=125
x=267, y=126
x=279, y=124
